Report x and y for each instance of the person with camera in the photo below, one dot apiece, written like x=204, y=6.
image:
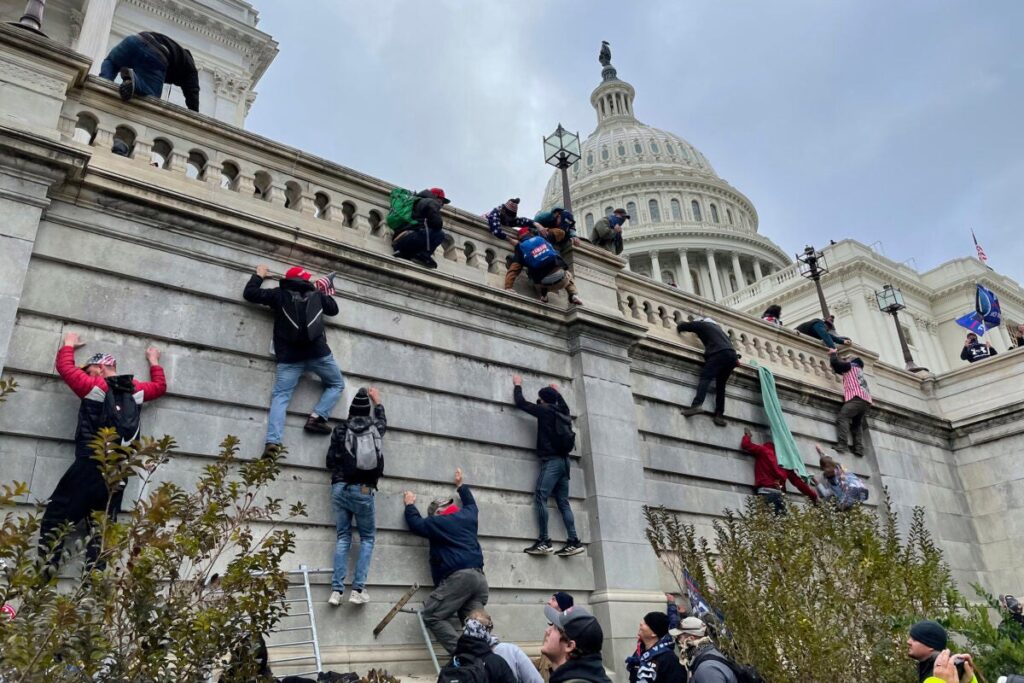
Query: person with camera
x=927, y=646
x=950, y=668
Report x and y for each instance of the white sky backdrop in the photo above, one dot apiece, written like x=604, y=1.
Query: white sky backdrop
x=898, y=122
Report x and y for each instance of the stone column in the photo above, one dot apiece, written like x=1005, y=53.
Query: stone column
x=716, y=291
x=655, y=266
x=685, y=278
x=738, y=272
x=92, y=40
x=758, y=275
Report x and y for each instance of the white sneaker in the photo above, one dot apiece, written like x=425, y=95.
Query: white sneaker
x=335, y=599
x=359, y=597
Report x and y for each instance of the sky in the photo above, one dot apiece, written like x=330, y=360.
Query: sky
x=898, y=124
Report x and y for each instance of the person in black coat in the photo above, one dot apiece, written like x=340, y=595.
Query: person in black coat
x=300, y=345
x=418, y=240
x=720, y=359
x=456, y=560
x=146, y=61
x=658, y=662
x=477, y=642
x=974, y=350
x=552, y=413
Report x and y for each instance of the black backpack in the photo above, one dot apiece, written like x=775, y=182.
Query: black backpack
x=743, y=674
x=120, y=410
x=304, y=314
x=565, y=437
x=463, y=668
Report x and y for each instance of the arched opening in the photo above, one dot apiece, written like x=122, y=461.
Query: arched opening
x=85, y=128
x=652, y=208
x=695, y=208
x=124, y=141
x=714, y=213
x=195, y=167
x=696, y=282
x=608, y=211
x=677, y=210
x=292, y=195
x=321, y=205
x=728, y=216
x=348, y=211
x=631, y=210
x=261, y=185
x=376, y=221
x=229, y=175
x=160, y=156
x=604, y=154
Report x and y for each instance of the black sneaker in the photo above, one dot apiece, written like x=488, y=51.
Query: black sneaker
x=691, y=411
x=270, y=450
x=571, y=548
x=317, y=425
x=719, y=420
x=127, y=86
x=540, y=548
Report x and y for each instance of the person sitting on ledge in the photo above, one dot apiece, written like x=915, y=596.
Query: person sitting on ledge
x=825, y=330
x=974, y=350
x=769, y=477
x=544, y=267
x=146, y=61
x=418, y=240
x=773, y=315
x=559, y=226
x=720, y=359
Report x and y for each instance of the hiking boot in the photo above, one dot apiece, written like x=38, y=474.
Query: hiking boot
x=540, y=548
x=359, y=597
x=127, y=87
x=691, y=411
x=270, y=449
x=571, y=548
x=317, y=425
x=335, y=598
x=719, y=420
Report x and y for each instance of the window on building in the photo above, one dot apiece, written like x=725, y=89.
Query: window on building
x=638, y=148
x=655, y=148
x=631, y=210
x=622, y=150
x=696, y=282
x=652, y=208
x=669, y=148
x=589, y=222
x=728, y=216
x=677, y=210
x=695, y=208
x=590, y=159
x=604, y=154
x=714, y=213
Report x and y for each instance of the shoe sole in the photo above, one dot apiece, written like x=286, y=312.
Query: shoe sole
x=127, y=87
x=570, y=553
x=358, y=601
x=313, y=430
x=539, y=552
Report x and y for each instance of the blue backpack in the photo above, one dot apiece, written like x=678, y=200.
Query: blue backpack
x=538, y=253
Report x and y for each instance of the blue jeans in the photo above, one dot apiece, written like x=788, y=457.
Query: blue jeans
x=135, y=53
x=553, y=480
x=350, y=503
x=824, y=335
x=285, y=381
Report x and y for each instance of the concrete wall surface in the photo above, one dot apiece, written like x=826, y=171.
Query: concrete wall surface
x=128, y=254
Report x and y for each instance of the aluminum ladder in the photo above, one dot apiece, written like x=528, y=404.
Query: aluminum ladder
x=308, y=623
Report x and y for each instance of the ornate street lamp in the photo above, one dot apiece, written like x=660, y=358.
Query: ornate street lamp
x=562, y=150
x=813, y=266
x=890, y=300
x=32, y=19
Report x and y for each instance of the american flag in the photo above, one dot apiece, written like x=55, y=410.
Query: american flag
x=981, y=252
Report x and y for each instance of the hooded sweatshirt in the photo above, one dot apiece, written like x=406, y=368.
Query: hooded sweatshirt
x=498, y=670
x=286, y=350
x=545, y=414
x=586, y=668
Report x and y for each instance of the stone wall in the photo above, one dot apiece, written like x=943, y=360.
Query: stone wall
x=129, y=255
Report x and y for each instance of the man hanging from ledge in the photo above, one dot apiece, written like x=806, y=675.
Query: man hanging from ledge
x=146, y=61
x=720, y=359
x=856, y=401
x=825, y=330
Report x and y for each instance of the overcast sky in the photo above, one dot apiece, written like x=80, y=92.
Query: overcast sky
x=891, y=122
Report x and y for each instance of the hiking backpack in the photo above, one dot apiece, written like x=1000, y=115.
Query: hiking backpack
x=120, y=409
x=538, y=253
x=361, y=451
x=305, y=315
x=565, y=437
x=743, y=674
x=400, y=209
x=463, y=669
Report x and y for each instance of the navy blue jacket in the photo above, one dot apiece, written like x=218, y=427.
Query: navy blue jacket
x=453, y=541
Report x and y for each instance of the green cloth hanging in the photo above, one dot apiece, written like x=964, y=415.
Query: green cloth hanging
x=786, y=450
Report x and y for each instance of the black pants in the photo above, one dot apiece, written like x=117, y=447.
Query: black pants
x=774, y=499
x=718, y=366
x=79, y=493
x=418, y=242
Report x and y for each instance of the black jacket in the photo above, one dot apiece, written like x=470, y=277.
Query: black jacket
x=545, y=414
x=285, y=350
x=977, y=351
x=498, y=670
x=665, y=668
x=586, y=668
x=427, y=211
x=334, y=451
x=712, y=336
x=181, y=68
x=453, y=538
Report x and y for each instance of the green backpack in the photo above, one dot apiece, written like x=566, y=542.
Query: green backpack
x=400, y=212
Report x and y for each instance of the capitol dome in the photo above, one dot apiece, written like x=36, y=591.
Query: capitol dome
x=688, y=227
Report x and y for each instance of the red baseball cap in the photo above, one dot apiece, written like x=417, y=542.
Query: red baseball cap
x=439, y=193
x=523, y=231
x=297, y=271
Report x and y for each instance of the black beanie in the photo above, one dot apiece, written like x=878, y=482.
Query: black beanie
x=928, y=633
x=360, y=405
x=549, y=395
x=657, y=622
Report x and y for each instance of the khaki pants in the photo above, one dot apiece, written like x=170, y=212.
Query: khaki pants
x=567, y=284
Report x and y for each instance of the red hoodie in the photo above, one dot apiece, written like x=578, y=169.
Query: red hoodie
x=768, y=473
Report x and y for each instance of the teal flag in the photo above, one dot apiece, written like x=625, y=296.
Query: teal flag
x=785, y=445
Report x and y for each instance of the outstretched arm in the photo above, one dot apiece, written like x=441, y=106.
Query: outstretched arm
x=254, y=292
x=522, y=403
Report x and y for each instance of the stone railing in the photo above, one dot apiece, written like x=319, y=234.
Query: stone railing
x=773, y=281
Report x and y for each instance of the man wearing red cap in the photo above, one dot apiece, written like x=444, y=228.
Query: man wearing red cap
x=418, y=240
x=300, y=345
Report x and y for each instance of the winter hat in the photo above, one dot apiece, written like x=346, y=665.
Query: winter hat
x=439, y=193
x=442, y=506
x=657, y=622
x=568, y=220
x=579, y=626
x=512, y=205
x=549, y=395
x=563, y=599
x=360, y=406
x=690, y=626
x=858, y=362
x=297, y=272
x=930, y=633
x=100, y=359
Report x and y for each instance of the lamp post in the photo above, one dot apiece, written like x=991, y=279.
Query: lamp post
x=890, y=300
x=812, y=267
x=32, y=19
x=562, y=150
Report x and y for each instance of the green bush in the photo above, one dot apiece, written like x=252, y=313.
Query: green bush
x=998, y=648
x=816, y=595
x=151, y=613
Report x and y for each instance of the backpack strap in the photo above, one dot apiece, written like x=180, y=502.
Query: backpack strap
x=712, y=657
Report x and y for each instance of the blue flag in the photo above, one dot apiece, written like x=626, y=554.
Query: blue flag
x=973, y=322
x=987, y=306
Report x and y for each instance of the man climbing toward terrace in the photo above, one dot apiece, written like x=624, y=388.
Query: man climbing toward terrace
x=146, y=61
x=299, y=344
x=856, y=401
x=546, y=270
x=769, y=477
x=109, y=400
x=416, y=223
x=720, y=359
x=559, y=226
x=825, y=330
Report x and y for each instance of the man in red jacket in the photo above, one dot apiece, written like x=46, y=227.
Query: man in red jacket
x=82, y=490
x=769, y=477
